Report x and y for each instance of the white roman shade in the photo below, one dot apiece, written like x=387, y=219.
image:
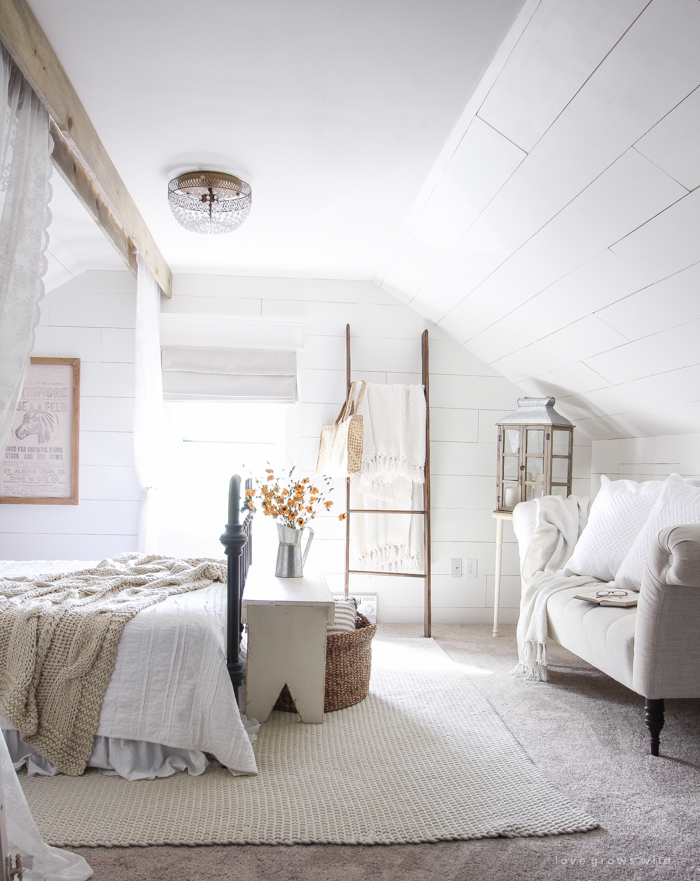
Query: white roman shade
x=206, y=374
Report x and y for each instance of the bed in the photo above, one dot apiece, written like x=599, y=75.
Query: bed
x=173, y=693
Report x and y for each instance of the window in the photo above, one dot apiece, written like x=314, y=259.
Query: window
x=205, y=443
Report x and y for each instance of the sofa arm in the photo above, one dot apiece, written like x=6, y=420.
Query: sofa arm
x=667, y=631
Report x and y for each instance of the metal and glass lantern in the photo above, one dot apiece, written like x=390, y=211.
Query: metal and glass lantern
x=535, y=453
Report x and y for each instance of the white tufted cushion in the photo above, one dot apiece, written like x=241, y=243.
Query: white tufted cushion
x=601, y=635
x=617, y=514
x=677, y=505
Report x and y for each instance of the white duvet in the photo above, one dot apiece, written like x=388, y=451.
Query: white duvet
x=170, y=684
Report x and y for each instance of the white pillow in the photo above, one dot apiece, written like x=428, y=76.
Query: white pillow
x=678, y=504
x=617, y=514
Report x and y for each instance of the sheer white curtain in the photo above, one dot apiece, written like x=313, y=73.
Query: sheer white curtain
x=25, y=192
x=148, y=405
x=42, y=862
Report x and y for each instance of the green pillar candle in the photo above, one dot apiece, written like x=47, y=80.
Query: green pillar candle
x=234, y=500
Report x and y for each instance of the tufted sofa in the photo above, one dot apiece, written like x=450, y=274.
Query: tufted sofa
x=653, y=649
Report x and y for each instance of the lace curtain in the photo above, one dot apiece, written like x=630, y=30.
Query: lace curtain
x=25, y=192
x=42, y=862
x=148, y=404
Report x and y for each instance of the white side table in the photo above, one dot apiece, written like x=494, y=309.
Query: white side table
x=499, y=516
x=286, y=620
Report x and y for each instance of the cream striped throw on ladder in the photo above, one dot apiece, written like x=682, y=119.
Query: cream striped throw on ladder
x=391, y=477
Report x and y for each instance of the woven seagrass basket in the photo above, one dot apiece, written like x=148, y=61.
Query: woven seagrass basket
x=348, y=668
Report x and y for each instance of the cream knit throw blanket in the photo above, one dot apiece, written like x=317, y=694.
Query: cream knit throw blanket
x=58, y=644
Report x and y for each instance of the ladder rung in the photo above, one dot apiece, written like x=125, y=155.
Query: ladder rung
x=380, y=511
x=394, y=574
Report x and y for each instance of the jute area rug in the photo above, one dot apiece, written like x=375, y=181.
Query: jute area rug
x=424, y=758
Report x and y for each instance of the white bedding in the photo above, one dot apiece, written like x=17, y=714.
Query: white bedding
x=170, y=684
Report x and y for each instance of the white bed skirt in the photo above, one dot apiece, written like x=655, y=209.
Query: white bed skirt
x=131, y=759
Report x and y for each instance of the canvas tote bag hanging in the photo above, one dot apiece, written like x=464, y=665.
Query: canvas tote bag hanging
x=340, y=450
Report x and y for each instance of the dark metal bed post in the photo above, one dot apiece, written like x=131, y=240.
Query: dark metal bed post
x=234, y=540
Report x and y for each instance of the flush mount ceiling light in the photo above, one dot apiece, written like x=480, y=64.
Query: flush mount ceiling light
x=209, y=201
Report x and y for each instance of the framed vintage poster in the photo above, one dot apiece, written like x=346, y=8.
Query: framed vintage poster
x=40, y=465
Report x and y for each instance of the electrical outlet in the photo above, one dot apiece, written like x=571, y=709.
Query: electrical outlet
x=456, y=567
x=367, y=606
x=470, y=568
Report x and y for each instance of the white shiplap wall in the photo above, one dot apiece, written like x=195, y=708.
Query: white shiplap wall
x=559, y=241
x=467, y=398
x=645, y=458
x=91, y=317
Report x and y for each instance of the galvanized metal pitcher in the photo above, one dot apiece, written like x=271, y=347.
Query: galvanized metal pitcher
x=290, y=561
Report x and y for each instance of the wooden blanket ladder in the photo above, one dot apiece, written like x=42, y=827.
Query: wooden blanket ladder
x=425, y=511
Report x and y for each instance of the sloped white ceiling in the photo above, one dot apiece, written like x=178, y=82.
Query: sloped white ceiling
x=560, y=239
x=334, y=112
x=557, y=234
x=76, y=243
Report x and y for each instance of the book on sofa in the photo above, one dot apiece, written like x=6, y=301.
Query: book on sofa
x=610, y=597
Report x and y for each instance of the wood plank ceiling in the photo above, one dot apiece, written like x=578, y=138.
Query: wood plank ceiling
x=560, y=241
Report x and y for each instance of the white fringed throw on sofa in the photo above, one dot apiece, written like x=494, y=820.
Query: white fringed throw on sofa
x=559, y=523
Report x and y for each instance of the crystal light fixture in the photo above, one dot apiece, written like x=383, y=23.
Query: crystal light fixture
x=209, y=201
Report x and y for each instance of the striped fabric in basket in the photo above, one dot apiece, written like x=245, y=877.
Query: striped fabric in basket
x=345, y=614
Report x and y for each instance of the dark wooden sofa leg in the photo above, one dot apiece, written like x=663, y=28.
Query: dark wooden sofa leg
x=655, y=721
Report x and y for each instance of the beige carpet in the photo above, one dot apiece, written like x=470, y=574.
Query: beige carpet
x=423, y=759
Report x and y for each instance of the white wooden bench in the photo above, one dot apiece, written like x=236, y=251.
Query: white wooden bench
x=286, y=620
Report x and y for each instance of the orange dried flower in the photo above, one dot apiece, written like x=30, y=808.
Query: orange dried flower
x=293, y=501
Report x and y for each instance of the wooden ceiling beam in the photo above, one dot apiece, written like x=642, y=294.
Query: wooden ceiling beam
x=84, y=187
x=26, y=42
